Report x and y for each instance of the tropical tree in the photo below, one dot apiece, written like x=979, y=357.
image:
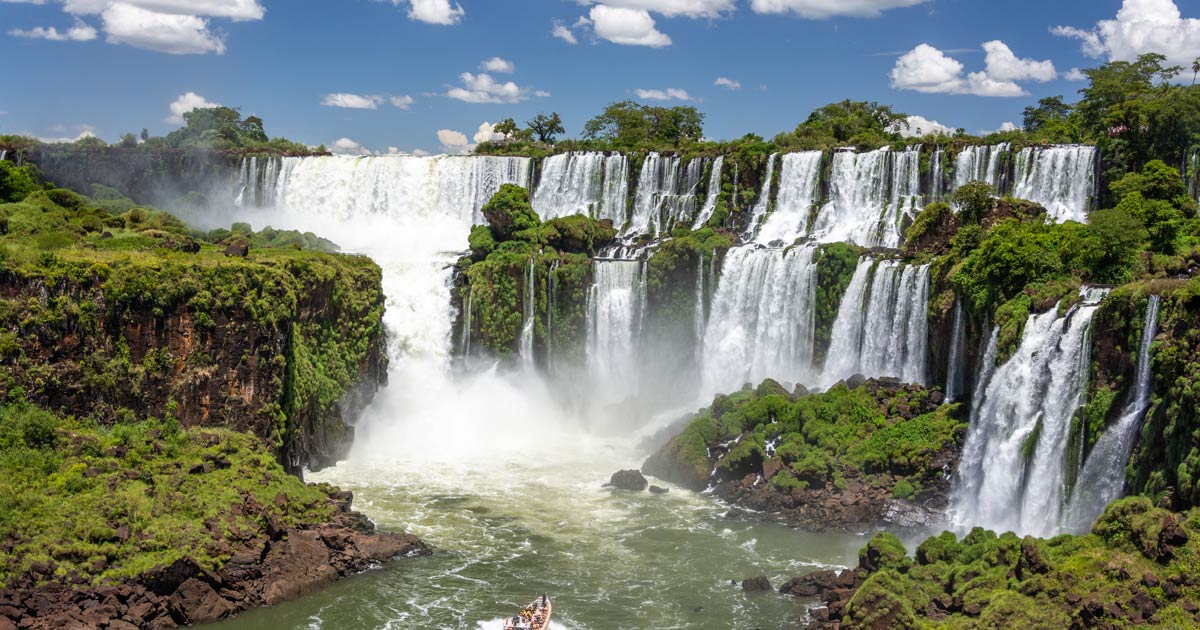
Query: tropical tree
x=545, y=128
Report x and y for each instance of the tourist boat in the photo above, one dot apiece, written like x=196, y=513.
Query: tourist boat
x=535, y=616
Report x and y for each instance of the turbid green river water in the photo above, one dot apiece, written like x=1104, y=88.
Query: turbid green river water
x=504, y=531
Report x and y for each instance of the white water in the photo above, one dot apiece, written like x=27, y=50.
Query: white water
x=955, y=366
x=937, y=175
x=872, y=197
x=881, y=329
x=1102, y=479
x=616, y=303
x=981, y=163
x=712, y=194
x=1011, y=474
x=761, y=320
x=799, y=190
x=666, y=195
x=529, y=315
x=763, y=203
x=592, y=184
x=1062, y=178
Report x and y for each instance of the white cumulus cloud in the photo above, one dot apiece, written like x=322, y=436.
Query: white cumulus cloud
x=672, y=8
x=433, y=11
x=728, y=83
x=918, y=126
x=487, y=133
x=346, y=146
x=664, y=95
x=822, y=9
x=929, y=70
x=401, y=102
x=1004, y=127
x=1141, y=26
x=497, y=64
x=186, y=103
x=562, y=32
x=80, y=32
x=629, y=27
x=352, y=101
x=482, y=88
x=453, y=141
x=178, y=27
x=1075, y=74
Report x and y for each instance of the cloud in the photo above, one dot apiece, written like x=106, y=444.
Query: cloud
x=186, y=103
x=482, y=88
x=672, y=8
x=822, y=9
x=346, y=146
x=663, y=95
x=563, y=33
x=487, y=133
x=401, y=102
x=629, y=27
x=80, y=32
x=453, y=141
x=496, y=64
x=1141, y=26
x=180, y=27
x=1075, y=74
x=1003, y=65
x=918, y=126
x=1004, y=127
x=87, y=132
x=728, y=83
x=352, y=101
x=929, y=70
x=433, y=11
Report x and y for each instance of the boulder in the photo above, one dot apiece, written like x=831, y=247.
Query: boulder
x=758, y=584
x=628, y=480
x=658, y=490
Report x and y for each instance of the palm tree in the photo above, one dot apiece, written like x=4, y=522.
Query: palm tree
x=1195, y=69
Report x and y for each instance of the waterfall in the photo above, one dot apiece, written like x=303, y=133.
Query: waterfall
x=3, y=154
x=845, y=341
x=712, y=194
x=666, y=195
x=1011, y=475
x=412, y=215
x=529, y=314
x=955, y=368
x=551, y=303
x=761, y=319
x=859, y=209
x=936, y=178
x=1062, y=178
x=980, y=163
x=1191, y=173
x=589, y=183
x=799, y=188
x=1102, y=479
x=763, y=202
x=616, y=304
x=464, y=348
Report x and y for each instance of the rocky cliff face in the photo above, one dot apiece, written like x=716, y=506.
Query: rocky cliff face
x=287, y=347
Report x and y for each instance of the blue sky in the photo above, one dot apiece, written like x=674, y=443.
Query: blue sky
x=113, y=66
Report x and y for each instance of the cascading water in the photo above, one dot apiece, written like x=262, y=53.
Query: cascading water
x=529, y=315
x=665, y=195
x=592, y=184
x=761, y=319
x=871, y=196
x=1102, y=478
x=937, y=175
x=712, y=194
x=955, y=366
x=1062, y=178
x=763, y=202
x=1011, y=473
x=981, y=163
x=881, y=327
x=799, y=189
x=616, y=302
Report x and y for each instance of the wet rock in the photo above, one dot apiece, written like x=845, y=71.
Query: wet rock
x=812, y=584
x=628, y=480
x=240, y=249
x=658, y=490
x=758, y=584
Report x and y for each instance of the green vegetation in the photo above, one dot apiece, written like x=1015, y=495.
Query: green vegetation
x=891, y=433
x=109, y=272
x=90, y=505
x=494, y=277
x=1136, y=569
x=835, y=263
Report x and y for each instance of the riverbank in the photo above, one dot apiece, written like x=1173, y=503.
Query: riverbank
x=149, y=525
